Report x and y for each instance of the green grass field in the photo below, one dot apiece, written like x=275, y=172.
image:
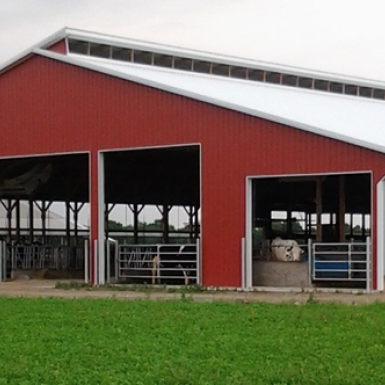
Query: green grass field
x=53, y=341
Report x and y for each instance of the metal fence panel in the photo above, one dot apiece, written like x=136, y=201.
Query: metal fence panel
x=341, y=262
x=36, y=257
x=159, y=263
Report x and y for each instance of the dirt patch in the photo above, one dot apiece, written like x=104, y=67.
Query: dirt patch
x=46, y=288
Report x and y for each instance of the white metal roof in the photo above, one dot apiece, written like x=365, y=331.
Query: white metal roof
x=353, y=120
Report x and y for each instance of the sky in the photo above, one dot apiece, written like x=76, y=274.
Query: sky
x=339, y=36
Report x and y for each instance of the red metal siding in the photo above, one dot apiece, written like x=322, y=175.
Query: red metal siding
x=54, y=107
x=59, y=47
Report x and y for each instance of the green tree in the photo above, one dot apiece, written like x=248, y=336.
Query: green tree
x=114, y=226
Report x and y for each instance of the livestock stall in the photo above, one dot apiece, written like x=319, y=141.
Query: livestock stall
x=327, y=219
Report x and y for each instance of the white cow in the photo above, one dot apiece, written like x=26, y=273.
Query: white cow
x=286, y=250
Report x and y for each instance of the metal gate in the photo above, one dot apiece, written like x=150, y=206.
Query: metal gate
x=160, y=263
x=38, y=257
x=341, y=262
x=25, y=257
x=112, y=255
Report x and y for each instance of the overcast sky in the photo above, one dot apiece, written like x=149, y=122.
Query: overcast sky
x=342, y=36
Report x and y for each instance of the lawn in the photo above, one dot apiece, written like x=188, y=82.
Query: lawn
x=54, y=341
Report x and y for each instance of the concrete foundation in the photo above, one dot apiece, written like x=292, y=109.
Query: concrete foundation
x=281, y=274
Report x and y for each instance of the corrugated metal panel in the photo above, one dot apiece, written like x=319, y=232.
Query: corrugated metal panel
x=53, y=107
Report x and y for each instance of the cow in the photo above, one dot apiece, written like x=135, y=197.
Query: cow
x=173, y=264
x=286, y=250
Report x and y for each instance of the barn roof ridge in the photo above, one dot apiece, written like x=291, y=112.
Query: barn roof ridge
x=68, y=32
x=265, y=65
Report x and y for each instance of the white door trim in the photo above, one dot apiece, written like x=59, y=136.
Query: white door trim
x=248, y=264
x=101, y=221
x=380, y=233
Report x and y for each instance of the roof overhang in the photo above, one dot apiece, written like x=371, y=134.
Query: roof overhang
x=353, y=120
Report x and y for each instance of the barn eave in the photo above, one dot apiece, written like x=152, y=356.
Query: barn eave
x=346, y=130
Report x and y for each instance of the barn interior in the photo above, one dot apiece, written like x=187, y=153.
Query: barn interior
x=329, y=212
x=35, y=241
x=161, y=177
x=164, y=178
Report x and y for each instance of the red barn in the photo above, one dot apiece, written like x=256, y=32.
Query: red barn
x=252, y=152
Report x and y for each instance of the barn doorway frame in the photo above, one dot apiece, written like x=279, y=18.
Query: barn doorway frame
x=100, y=255
x=380, y=234
x=247, y=257
x=87, y=234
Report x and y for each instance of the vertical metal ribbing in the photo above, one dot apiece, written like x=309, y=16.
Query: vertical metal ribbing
x=244, y=264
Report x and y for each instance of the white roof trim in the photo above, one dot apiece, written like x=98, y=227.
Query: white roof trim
x=202, y=87
x=52, y=39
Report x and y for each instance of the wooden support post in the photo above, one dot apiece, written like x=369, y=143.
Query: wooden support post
x=318, y=200
x=289, y=222
x=43, y=210
x=68, y=222
x=196, y=223
x=164, y=211
x=341, y=209
x=136, y=212
x=106, y=213
x=191, y=223
x=165, y=223
x=190, y=213
x=76, y=220
x=136, y=209
x=9, y=218
x=363, y=231
x=107, y=210
x=18, y=219
x=31, y=222
x=43, y=220
x=306, y=229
